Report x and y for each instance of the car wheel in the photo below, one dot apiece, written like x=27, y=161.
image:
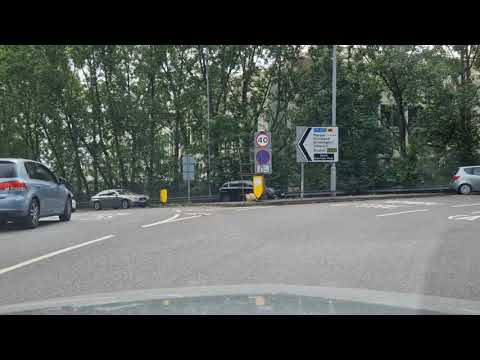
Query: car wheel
x=67, y=212
x=97, y=205
x=465, y=189
x=125, y=204
x=33, y=218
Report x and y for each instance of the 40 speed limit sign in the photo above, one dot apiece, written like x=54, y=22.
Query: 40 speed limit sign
x=262, y=139
x=263, y=152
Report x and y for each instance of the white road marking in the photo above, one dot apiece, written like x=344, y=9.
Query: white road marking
x=52, y=254
x=202, y=214
x=464, y=217
x=475, y=212
x=379, y=206
x=464, y=205
x=402, y=212
x=161, y=222
x=407, y=202
x=185, y=218
x=251, y=207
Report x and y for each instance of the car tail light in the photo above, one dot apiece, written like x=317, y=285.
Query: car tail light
x=455, y=177
x=13, y=185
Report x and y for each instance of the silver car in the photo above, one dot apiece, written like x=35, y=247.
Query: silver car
x=466, y=180
x=117, y=198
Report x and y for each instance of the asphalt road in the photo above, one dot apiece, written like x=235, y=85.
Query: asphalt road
x=425, y=246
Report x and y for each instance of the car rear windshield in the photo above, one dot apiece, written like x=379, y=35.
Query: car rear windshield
x=7, y=170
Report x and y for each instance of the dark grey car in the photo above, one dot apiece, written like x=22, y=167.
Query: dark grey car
x=237, y=190
x=117, y=198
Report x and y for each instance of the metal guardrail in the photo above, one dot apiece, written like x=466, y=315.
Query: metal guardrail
x=294, y=195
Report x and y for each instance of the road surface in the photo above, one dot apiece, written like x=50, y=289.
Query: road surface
x=425, y=246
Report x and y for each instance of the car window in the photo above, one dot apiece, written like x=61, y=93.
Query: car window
x=468, y=171
x=476, y=171
x=7, y=169
x=39, y=172
x=45, y=174
x=124, y=192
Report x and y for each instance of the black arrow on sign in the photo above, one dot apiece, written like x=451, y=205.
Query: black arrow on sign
x=300, y=144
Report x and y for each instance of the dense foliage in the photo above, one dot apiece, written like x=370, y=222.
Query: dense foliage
x=112, y=115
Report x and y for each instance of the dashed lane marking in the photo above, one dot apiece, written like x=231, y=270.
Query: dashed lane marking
x=52, y=254
x=464, y=205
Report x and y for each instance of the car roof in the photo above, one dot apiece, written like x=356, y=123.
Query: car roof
x=15, y=160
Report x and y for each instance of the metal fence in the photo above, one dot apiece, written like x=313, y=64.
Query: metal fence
x=178, y=199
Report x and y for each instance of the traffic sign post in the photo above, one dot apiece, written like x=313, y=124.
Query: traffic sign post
x=302, y=177
x=263, y=152
x=188, y=167
x=333, y=170
x=317, y=144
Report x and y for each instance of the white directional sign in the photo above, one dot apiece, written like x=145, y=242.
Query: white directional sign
x=317, y=144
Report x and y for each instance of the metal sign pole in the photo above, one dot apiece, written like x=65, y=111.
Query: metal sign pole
x=333, y=170
x=209, y=177
x=302, y=172
x=188, y=187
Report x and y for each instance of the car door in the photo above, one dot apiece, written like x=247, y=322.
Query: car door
x=108, y=199
x=44, y=187
x=475, y=178
x=59, y=193
x=116, y=200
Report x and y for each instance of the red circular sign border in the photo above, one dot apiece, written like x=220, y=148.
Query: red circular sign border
x=262, y=133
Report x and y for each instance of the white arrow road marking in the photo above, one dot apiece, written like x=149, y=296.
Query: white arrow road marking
x=185, y=218
x=464, y=205
x=174, y=218
x=52, y=254
x=402, y=212
x=161, y=222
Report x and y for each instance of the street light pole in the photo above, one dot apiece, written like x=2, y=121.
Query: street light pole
x=208, y=125
x=333, y=170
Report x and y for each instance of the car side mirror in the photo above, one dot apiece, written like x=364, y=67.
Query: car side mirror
x=61, y=181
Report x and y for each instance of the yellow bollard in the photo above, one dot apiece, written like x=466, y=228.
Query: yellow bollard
x=258, y=185
x=163, y=196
